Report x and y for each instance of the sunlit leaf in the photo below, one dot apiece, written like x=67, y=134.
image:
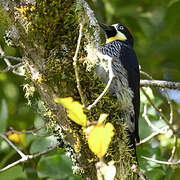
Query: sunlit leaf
x=17, y=138
x=74, y=110
x=100, y=138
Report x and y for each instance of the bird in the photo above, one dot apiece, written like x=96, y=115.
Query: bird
x=125, y=86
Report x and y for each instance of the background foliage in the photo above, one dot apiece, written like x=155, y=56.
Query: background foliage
x=156, y=30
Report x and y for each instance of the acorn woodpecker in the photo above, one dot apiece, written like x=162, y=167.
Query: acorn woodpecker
x=126, y=82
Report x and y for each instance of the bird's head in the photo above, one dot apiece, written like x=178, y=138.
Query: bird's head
x=117, y=32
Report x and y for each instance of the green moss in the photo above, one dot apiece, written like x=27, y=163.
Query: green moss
x=5, y=20
x=56, y=22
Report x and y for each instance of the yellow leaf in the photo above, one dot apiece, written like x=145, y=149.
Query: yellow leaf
x=100, y=138
x=74, y=110
x=102, y=118
x=17, y=138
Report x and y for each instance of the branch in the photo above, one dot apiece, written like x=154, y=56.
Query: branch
x=23, y=156
x=11, y=67
x=174, y=149
x=162, y=131
x=147, y=138
x=159, y=111
x=27, y=157
x=162, y=162
x=161, y=84
x=147, y=119
x=11, y=58
x=12, y=145
x=8, y=63
x=33, y=132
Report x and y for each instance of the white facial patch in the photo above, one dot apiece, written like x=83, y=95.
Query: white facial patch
x=115, y=25
x=119, y=35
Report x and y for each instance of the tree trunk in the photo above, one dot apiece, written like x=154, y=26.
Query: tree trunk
x=46, y=33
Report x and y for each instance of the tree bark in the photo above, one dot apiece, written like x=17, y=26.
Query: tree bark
x=46, y=33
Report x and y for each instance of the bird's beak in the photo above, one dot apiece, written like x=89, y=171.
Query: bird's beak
x=106, y=27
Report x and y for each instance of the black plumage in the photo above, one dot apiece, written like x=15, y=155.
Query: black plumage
x=125, y=86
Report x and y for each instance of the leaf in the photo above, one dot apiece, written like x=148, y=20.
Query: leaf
x=13, y=173
x=74, y=110
x=100, y=138
x=3, y=116
x=41, y=144
x=55, y=165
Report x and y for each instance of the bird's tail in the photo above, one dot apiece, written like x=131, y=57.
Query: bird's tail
x=132, y=144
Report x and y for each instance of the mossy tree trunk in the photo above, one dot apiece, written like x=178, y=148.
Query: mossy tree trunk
x=46, y=33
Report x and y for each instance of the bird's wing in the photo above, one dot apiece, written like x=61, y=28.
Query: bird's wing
x=130, y=63
x=124, y=55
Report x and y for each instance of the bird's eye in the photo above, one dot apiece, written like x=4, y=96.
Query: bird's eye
x=120, y=28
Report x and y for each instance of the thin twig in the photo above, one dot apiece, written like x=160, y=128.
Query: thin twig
x=143, y=82
x=11, y=67
x=171, y=117
x=147, y=119
x=111, y=77
x=11, y=58
x=159, y=112
x=162, y=131
x=162, y=162
x=101, y=95
x=27, y=157
x=76, y=67
x=14, y=71
x=146, y=74
x=13, y=146
x=163, y=85
x=174, y=149
x=50, y=148
x=33, y=132
x=148, y=138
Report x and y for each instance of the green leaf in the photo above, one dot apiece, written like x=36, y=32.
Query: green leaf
x=3, y=116
x=169, y=173
x=13, y=173
x=75, y=178
x=56, y=166
x=156, y=174
x=42, y=144
x=38, y=122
